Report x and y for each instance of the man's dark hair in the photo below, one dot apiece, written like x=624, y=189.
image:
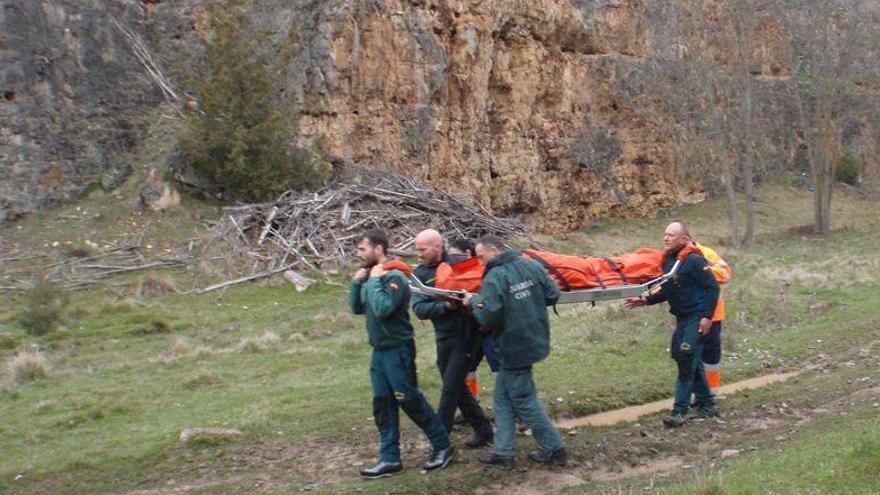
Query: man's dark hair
x=377, y=237
x=494, y=241
x=464, y=245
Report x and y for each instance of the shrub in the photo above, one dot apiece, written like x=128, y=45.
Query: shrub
x=203, y=380
x=236, y=134
x=27, y=365
x=154, y=327
x=849, y=168
x=152, y=285
x=79, y=251
x=44, y=309
x=249, y=345
x=179, y=348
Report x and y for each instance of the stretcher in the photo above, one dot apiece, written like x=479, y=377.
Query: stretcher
x=566, y=297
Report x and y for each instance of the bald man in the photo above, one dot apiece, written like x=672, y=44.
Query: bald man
x=692, y=295
x=457, y=340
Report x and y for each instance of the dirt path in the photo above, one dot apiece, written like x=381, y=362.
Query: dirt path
x=633, y=413
x=632, y=456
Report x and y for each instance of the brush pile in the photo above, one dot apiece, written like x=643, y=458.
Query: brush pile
x=85, y=266
x=319, y=230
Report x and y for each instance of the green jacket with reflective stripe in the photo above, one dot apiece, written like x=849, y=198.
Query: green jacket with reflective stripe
x=385, y=302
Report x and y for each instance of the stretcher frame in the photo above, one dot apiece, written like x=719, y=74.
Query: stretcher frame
x=566, y=297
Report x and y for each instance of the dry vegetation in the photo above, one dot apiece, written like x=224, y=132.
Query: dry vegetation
x=319, y=230
x=26, y=366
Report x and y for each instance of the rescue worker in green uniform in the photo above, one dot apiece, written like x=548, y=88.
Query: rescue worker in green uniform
x=513, y=302
x=692, y=295
x=380, y=291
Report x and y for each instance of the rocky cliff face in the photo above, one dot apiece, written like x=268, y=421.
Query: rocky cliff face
x=71, y=94
x=560, y=110
x=516, y=101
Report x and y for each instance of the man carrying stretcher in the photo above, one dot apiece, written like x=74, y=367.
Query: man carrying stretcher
x=513, y=302
x=692, y=295
x=457, y=339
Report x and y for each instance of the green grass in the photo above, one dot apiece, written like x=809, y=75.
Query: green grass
x=128, y=374
x=840, y=454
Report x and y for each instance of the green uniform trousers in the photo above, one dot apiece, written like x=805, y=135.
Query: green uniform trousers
x=393, y=376
x=517, y=397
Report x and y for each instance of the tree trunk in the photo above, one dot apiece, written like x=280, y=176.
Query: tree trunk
x=819, y=227
x=727, y=168
x=748, y=164
x=728, y=178
x=825, y=176
x=744, y=28
x=816, y=157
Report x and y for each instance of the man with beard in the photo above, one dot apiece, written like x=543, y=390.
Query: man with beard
x=380, y=291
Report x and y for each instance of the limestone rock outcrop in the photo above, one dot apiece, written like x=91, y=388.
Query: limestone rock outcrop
x=562, y=111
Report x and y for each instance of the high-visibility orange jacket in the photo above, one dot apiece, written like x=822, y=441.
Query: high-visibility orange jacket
x=722, y=273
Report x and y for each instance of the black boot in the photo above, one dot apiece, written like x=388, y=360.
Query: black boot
x=382, y=470
x=674, y=420
x=558, y=457
x=493, y=459
x=480, y=439
x=707, y=412
x=439, y=458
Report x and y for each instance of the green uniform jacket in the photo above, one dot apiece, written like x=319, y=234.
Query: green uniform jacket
x=513, y=302
x=385, y=302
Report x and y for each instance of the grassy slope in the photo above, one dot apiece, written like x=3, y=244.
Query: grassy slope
x=118, y=394
x=839, y=455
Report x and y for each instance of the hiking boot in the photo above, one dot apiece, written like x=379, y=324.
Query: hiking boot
x=382, y=470
x=480, y=440
x=707, y=412
x=558, y=457
x=439, y=458
x=493, y=459
x=674, y=420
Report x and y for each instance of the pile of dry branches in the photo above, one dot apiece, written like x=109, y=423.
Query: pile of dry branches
x=88, y=267
x=319, y=230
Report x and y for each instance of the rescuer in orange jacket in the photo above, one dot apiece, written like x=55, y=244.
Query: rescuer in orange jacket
x=711, y=355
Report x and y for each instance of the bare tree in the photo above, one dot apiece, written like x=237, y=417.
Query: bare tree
x=724, y=94
x=714, y=88
x=745, y=15
x=833, y=47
